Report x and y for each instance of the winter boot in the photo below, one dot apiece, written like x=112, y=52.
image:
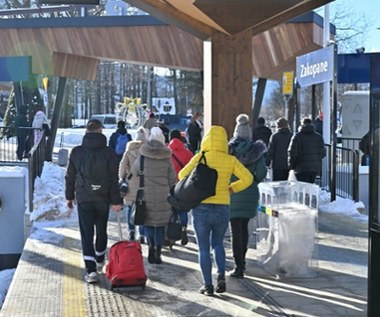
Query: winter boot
x=221, y=285
x=237, y=272
x=152, y=255
x=158, y=255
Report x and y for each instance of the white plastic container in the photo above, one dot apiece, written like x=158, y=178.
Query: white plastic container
x=287, y=228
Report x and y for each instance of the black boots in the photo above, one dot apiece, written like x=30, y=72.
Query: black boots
x=158, y=255
x=152, y=255
x=221, y=286
x=238, y=272
x=184, y=239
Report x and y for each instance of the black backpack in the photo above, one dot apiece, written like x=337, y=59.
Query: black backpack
x=93, y=175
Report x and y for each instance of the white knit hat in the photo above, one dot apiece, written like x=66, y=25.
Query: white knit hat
x=156, y=134
x=243, y=128
x=140, y=134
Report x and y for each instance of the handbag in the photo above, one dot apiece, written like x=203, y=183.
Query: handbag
x=200, y=184
x=123, y=186
x=139, y=209
x=174, y=228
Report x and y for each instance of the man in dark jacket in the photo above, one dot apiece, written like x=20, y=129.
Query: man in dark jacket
x=305, y=152
x=278, y=151
x=261, y=132
x=93, y=204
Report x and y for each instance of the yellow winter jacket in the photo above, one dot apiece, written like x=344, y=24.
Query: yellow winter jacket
x=215, y=146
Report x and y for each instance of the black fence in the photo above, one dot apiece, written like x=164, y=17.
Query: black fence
x=347, y=172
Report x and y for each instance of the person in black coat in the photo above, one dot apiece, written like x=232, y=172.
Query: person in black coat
x=194, y=132
x=306, y=151
x=93, y=207
x=261, y=132
x=318, y=124
x=278, y=151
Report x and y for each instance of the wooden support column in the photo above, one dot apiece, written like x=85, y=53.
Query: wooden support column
x=230, y=91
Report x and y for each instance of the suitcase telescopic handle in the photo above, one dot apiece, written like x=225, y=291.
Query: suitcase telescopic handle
x=119, y=226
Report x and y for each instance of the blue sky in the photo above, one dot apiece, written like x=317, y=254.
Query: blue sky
x=371, y=11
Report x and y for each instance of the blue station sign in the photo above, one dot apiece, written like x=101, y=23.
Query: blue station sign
x=316, y=67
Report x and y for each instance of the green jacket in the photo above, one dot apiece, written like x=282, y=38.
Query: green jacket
x=251, y=155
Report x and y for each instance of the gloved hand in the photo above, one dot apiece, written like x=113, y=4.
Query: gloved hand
x=70, y=204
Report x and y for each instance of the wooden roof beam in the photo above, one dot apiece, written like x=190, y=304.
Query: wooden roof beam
x=169, y=14
x=289, y=14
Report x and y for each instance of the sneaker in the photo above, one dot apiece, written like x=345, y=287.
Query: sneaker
x=221, y=286
x=91, y=277
x=99, y=266
x=131, y=236
x=184, y=239
x=142, y=240
x=208, y=290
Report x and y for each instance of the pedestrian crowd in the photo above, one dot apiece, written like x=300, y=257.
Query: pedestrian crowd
x=162, y=159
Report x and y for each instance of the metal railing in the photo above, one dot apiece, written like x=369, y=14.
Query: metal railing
x=17, y=149
x=347, y=172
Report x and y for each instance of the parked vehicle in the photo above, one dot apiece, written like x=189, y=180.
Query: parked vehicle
x=108, y=120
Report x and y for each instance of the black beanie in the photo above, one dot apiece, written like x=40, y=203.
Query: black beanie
x=175, y=134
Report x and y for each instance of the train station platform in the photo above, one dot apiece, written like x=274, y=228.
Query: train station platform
x=49, y=280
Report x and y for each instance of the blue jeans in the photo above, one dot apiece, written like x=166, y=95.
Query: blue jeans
x=131, y=226
x=210, y=225
x=183, y=218
x=155, y=236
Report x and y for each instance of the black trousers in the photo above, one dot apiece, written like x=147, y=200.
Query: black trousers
x=308, y=177
x=93, y=219
x=239, y=228
x=280, y=175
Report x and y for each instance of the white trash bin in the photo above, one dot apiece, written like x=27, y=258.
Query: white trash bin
x=287, y=228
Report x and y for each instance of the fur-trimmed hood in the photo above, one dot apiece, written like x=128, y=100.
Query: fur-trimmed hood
x=133, y=145
x=246, y=151
x=156, y=150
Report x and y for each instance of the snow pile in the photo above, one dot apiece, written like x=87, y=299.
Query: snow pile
x=5, y=279
x=49, y=197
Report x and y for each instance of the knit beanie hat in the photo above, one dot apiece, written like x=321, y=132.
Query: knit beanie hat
x=175, y=134
x=140, y=134
x=243, y=128
x=282, y=123
x=156, y=134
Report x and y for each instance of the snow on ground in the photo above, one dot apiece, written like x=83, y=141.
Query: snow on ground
x=50, y=203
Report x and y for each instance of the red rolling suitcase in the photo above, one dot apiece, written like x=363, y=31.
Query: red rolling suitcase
x=125, y=266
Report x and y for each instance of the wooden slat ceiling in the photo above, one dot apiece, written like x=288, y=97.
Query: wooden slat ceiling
x=202, y=17
x=60, y=51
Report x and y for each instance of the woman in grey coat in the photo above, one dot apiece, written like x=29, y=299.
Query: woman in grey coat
x=159, y=176
x=244, y=204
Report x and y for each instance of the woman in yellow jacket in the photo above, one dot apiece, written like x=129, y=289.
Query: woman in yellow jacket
x=211, y=217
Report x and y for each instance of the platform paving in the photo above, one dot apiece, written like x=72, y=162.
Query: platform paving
x=49, y=280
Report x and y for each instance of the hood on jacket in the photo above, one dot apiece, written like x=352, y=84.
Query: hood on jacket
x=215, y=140
x=307, y=128
x=176, y=144
x=92, y=140
x=121, y=130
x=133, y=145
x=246, y=151
x=155, y=149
